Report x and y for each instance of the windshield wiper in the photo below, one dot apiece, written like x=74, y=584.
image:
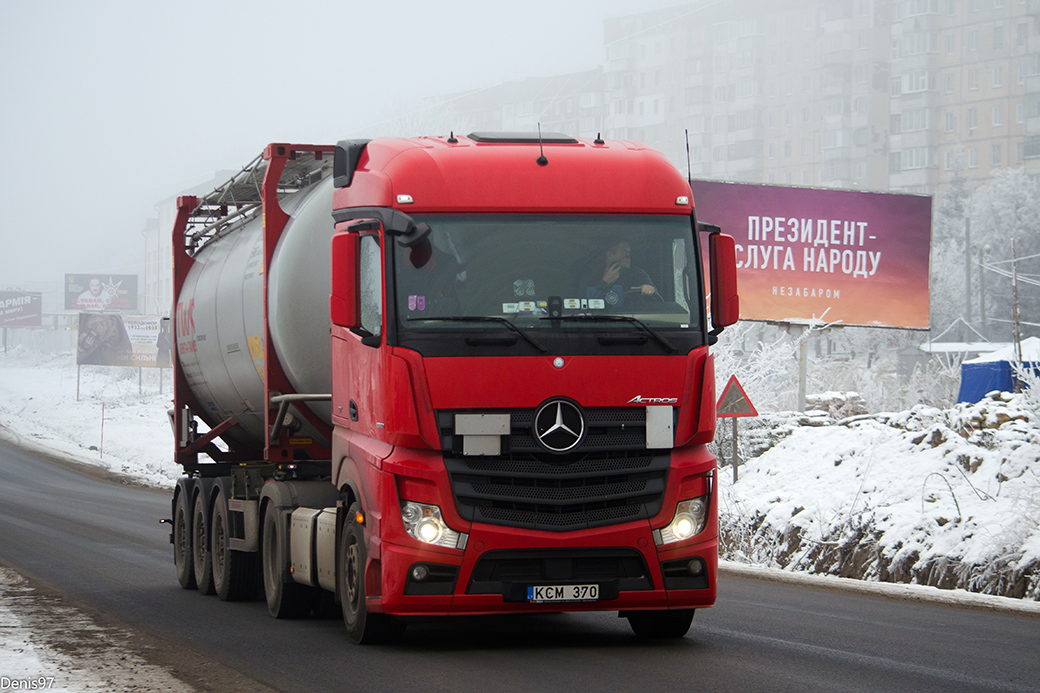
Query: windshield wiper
x=488, y=318
x=621, y=318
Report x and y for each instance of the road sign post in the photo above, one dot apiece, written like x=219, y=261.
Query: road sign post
x=734, y=403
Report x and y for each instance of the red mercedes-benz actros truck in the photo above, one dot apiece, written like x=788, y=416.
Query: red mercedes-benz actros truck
x=449, y=375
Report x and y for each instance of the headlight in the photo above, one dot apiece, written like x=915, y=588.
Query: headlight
x=689, y=519
x=424, y=522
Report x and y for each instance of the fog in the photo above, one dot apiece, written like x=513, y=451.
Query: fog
x=112, y=107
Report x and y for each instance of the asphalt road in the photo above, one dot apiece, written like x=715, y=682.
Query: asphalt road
x=99, y=544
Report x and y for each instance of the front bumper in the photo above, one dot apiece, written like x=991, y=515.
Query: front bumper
x=499, y=563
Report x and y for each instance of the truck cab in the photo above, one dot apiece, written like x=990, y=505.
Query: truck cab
x=522, y=393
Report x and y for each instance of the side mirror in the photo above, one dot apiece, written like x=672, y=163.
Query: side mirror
x=414, y=236
x=725, y=303
x=345, y=301
x=408, y=233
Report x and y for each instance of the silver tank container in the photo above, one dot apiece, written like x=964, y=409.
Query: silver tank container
x=224, y=290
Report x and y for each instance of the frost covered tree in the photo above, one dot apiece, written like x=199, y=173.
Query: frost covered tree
x=765, y=361
x=949, y=249
x=1007, y=208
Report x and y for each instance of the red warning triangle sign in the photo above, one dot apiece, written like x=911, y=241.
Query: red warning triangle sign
x=734, y=401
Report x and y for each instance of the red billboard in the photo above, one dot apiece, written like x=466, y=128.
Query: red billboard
x=21, y=309
x=100, y=292
x=840, y=256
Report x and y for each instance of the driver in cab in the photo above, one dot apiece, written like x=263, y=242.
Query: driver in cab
x=618, y=277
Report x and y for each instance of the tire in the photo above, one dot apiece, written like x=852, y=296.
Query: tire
x=182, y=554
x=363, y=627
x=234, y=572
x=661, y=624
x=201, y=561
x=284, y=599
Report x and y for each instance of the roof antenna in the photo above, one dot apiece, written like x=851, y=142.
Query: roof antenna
x=542, y=161
x=689, y=168
x=451, y=138
x=599, y=139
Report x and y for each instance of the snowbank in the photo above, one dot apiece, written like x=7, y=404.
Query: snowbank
x=119, y=423
x=944, y=498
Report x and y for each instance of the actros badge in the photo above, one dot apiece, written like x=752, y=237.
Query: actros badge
x=559, y=425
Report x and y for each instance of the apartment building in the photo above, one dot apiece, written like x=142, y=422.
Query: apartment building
x=861, y=94
x=959, y=85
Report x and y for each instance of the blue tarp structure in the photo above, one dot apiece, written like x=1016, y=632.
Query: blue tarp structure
x=994, y=371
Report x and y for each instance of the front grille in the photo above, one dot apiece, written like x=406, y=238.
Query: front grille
x=561, y=521
x=609, y=478
x=590, y=491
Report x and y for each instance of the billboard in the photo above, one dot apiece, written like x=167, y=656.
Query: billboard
x=21, y=309
x=100, y=292
x=111, y=339
x=840, y=256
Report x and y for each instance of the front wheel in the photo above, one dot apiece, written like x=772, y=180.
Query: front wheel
x=363, y=627
x=660, y=624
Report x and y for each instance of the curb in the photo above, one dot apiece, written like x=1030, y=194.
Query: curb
x=921, y=594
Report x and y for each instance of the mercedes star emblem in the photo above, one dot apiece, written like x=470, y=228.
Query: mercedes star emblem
x=559, y=425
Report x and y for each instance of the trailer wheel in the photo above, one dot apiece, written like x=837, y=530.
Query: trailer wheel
x=201, y=562
x=661, y=624
x=284, y=599
x=363, y=627
x=234, y=572
x=182, y=556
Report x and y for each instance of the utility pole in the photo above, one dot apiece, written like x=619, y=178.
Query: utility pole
x=1017, y=317
x=982, y=289
x=967, y=277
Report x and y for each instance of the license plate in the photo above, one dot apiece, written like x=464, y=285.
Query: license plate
x=563, y=593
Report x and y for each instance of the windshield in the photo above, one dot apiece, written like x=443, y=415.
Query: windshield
x=549, y=274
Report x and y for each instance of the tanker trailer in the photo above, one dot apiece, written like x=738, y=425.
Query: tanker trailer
x=251, y=265
x=461, y=375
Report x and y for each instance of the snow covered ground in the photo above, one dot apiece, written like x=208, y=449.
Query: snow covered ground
x=46, y=645
x=119, y=422
x=949, y=498
x=944, y=498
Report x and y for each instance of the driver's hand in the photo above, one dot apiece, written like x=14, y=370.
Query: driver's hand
x=612, y=273
x=646, y=289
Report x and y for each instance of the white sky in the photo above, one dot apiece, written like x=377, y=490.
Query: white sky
x=109, y=107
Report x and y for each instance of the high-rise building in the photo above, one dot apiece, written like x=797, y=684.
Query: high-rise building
x=867, y=94
x=769, y=93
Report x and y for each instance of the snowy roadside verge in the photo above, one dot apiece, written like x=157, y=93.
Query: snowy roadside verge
x=48, y=645
x=922, y=594
x=946, y=498
x=118, y=423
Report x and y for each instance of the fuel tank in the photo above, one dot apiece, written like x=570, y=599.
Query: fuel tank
x=220, y=316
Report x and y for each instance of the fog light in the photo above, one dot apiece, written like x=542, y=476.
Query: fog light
x=424, y=522
x=420, y=573
x=696, y=567
x=689, y=519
